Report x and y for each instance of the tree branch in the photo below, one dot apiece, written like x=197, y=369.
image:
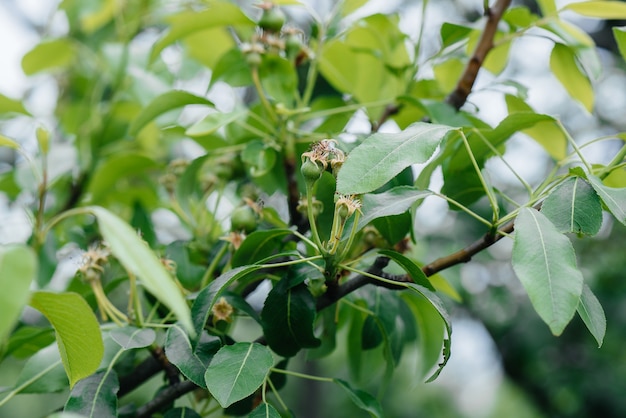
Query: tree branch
x=458, y=97
x=165, y=397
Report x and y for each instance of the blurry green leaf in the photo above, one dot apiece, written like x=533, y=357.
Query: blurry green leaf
x=237, y=370
x=201, y=308
x=232, y=68
x=181, y=354
x=95, y=396
x=545, y=263
x=564, y=67
x=8, y=105
x=117, y=168
x=78, y=332
x=592, y=314
x=26, y=341
x=130, y=338
x=362, y=399
x=547, y=7
x=139, y=259
x=258, y=246
x=91, y=22
x=259, y=158
x=442, y=285
x=219, y=13
x=519, y=16
x=547, y=133
x=213, y=121
x=43, y=139
x=187, y=272
x=448, y=72
x=614, y=199
x=56, y=53
x=599, y=9
x=620, y=37
x=288, y=316
x=18, y=268
x=279, y=79
x=574, y=207
x=168, y=101
x=408, y=265
x=264, y=410
x=452, y=33
x=8, y=142
x=349, y=6
x=222, y=42
x=43, y=372
x=382, y=156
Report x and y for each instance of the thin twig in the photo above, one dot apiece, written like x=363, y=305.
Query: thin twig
x=458, y=97
x=165, y=397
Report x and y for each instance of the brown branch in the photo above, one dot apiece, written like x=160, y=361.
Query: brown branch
x=165, y=397
x=389, y=111
x=458, y=97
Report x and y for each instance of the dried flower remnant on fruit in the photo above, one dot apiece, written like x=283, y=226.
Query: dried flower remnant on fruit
x=222, y=310
x=235, y=238
x=93, y=261
x=347, y=204
x=325, y=151
x=170, y=265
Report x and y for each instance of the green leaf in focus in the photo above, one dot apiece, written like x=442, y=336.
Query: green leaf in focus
x=592, y=314
x=382, y=156
x=392, y=202
x=237, y=370
x=57, y=53
x=564, y=66
x=95, y=396
x=258, y=246
x=201, y=308
x=613, y=198
x=288, y=316
x=130, y=338
x=78, y=332
x=18, y=268
x=180, y=353
x=362, y=399
x=545, y=263
x=599, y=9
x=167, y=101
x=574, y=207
x=264, y=410
x=139, y=259
x=414, y=271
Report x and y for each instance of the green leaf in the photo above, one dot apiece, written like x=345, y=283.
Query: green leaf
x=382, y=156
x=26, y=341
x=547, y=7
x=414, y=271
x=201, y=308
x=592, y=314
x=599, y=9
x=8, y=105
x=392, y=202
x=545, y=263
x=57, y=53
x=432, y=330
x=43, y=373
x=8, y=142
x=130, y=338
x=164, y=103
x=219, y=13
x=264, y=410
x=181, y=354
x=139, y=259
x=574, y=207
x=620, y=37
x=183, y=412
x=362, y=399
x=95, y=396
x=278, y=78
x=233, y=69
x=564, y=66
x=349, y=6
x=288, y=316
x=546, y=133
x=78, y=332
x=18, y=268
x=258, y=246
x=614, y=199
x=213, y=121
x=237, y=370
x=258, y=157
